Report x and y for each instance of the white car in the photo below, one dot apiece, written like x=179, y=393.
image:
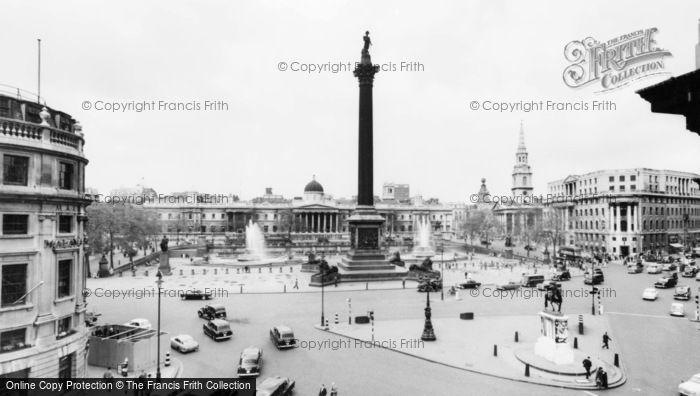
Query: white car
x=690, y=387
x=140, y=323
x=697, y=277
x=677, y=309
x=650, y=294
x=653, y=269
x=184, y=343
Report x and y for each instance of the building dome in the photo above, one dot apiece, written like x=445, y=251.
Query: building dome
x=313, y=186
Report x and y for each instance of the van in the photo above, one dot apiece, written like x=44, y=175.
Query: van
x=531, y=280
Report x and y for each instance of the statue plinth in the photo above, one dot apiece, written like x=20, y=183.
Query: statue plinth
x=553, y=343
x=103, y=270
x=164, y=266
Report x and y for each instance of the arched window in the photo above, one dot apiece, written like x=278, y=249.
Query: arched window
x=524, y=180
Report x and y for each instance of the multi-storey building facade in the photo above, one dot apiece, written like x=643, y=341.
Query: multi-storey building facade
x=315, y=215
x=628, y=211
x=42, y=242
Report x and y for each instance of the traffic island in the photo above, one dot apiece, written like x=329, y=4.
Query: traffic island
x=486, y=345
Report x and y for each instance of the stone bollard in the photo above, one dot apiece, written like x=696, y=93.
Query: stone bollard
x=617, y=360
x=575, y=342
x=259, y=270
x=121, y=273
x=145, y=273
x=516, y=336
x=241, y=289
x=580, y=324
x=291, y=269
x=280, y=270
x=527, y=369
x=285, y=288
x=238, y=270
x=204, y=271
x=270, y=269
x=226, y=271
x=133, y=272
x=192, y=271
x=367, y=286
x=167, y=359
x=180, y=271
x=495, y=350
x=215, y=271
x=336, y=318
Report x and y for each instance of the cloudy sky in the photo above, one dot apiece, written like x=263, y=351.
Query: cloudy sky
x=282, y=127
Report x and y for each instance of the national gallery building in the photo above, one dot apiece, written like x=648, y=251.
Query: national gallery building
x=310, y=217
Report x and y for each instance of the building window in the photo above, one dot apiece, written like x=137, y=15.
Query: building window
x=612, y=188
x=633, y=178
x=63, y=327
x=15, y=170
x=15, y=224
x=65, y=224
x=633, y=187
x=65, y=366
x=64, y=275
x=65, y=176
x=612, y=178
x=11, y=340
x=14, y=284
x=622, y=178
x=622, y=188
x=265, y=228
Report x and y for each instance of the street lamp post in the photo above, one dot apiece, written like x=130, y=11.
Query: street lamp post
x=159, y=282
x=442, y=271
x=323, y=284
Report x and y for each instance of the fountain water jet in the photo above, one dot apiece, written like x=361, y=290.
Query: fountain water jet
x=423, y=236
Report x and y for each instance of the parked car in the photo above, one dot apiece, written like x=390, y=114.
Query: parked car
x=283, y=337
x=635, y=269
x=564, y=275
x=650, y=294
x=140, y=323
x=668, y=267
x=509, y=286
x=195, y=295
x=653, y=269
x=275, y=386
x=214, y=311
x=184, y=343
x=250, y=362
x=682, y=293
x=469, y=284
x=218, y=329
x=667, y=281
x=691, y=387
x=677, y=309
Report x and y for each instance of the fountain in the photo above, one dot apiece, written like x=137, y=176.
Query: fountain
x=423, y=236
x=254, y=244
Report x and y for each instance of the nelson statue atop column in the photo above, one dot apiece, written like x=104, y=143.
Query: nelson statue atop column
x=368, y=42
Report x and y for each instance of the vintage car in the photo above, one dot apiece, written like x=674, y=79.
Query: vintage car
x=509, y=286
x=690, y=271
x=682, y=292
x=214, y=311
x=469, y=284
x=283, y=337
x=250, y=362
x=595, y=279
x=650, y=294
x=667, y=281
x=218, y=329
x=564, y=275
x=195, y=295
x=275, y=386
x=184, y=343
x=677, y=309
x=140, y=323
x=668, y=267
x=653, y=269
x=690, y=387
x=635, y=269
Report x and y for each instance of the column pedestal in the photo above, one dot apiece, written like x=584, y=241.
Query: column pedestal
x=164, y=266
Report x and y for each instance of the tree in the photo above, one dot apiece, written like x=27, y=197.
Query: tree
x=552, y=225
x=124, y=225
x=481, y=223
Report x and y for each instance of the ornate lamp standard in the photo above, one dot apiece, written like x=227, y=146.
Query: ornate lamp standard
x=323, y=284
x=159, y=282
x=428, y=331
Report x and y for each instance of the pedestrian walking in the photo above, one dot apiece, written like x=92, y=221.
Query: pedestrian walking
x=334, y=390
x=587, y=365
x=296, y=283
x=323, y=391
x=606, y=339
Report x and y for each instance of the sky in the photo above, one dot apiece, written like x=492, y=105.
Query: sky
x=283, y=127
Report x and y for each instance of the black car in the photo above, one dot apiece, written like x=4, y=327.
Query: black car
x=469, y=284
x=214, y=311
x=595, y=279
x=218, y=329
x=195, y=295
x=564, y=275
x=667, y=281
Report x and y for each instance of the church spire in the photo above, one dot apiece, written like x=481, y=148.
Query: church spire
x=521, y=139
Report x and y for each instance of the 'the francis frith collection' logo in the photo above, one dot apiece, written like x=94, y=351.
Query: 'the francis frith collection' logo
x=614, y=63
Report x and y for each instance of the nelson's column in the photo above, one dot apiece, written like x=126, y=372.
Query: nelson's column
x=366, y=259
